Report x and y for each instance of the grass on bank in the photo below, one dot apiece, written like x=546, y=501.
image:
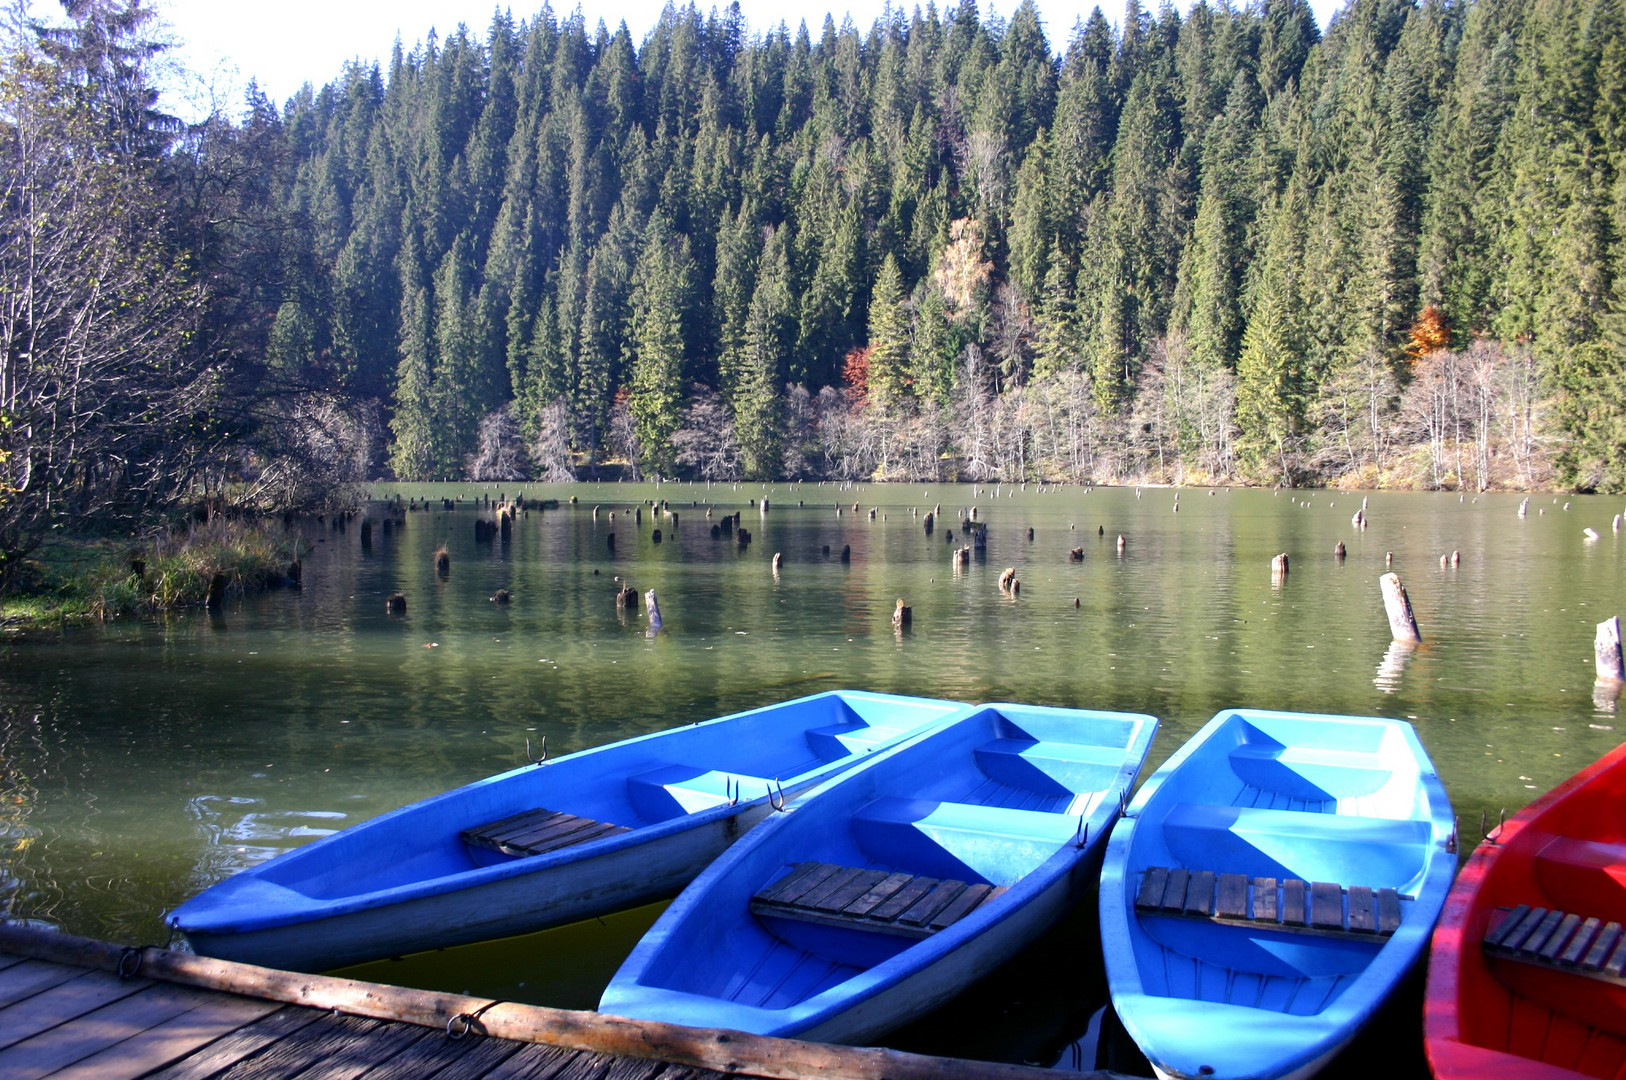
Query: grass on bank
x=75, y=580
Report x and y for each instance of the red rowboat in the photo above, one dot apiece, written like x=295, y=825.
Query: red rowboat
x=1527, y=969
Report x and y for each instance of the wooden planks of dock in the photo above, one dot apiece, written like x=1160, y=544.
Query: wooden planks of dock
x=76, y=1009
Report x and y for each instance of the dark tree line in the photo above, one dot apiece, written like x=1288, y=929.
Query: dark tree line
x=1204, y=245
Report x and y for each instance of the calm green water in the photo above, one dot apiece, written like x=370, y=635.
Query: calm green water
x=140, y=763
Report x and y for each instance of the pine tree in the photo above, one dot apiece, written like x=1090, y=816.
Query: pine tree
x=888, y=339
x=661, y=299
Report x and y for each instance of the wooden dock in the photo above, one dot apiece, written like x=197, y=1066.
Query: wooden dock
x=76, y=1009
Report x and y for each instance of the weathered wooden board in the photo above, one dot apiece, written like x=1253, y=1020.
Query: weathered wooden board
x=217, y=1016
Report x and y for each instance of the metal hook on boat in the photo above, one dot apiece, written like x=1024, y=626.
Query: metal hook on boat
x=734, y=794
x=1083, y=834
x=1492, y=835
x=130, y=961
x=1451, y=841
x=1123, y=803
x=174, y=932
x=778, y=805
x=536, y=760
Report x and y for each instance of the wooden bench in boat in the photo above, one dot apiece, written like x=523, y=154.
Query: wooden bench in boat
x=1560, y=940
x=904, y=904
x=1317, y=907
x=534, y=832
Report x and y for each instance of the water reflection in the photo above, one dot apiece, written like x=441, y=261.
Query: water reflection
x=1393, y=665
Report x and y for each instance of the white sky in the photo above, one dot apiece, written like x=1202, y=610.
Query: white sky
x=225, y=43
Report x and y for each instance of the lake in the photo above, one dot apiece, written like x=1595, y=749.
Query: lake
x=140, y=763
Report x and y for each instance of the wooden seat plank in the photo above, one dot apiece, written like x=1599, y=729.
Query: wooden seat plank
x=1544, y=930
x=1152, y=884
x=794, y=885
x=1580, y=941
x=1560, y=937
x=1174, y=894
x=1558, y=940
x=1497, y=935
x=1265, y=895
x=1231, y=900
x=1602, y=946
x=1319, y=908
x=1293, y=910
x=1519, y=934
x=861, y=883
x=598, y=832
x=891, y=903
x=1200, y=894
x=1326, y=906
x=828, y=886
x=933, y=902
x=878, y=894
x=1388, y=911
x=1363, y=912
x=962, y=905
x=535, y=832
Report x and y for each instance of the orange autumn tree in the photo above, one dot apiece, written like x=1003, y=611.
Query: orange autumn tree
x=1428, y=334
x=855, y=376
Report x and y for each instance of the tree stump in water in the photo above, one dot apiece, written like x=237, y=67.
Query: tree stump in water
x=903, y=615
x=395, y=605
x=656, y=536
x=846, y=553
x=627, y=599
x=778, y=561
x=929, y=523
x=961, y=556
x=1338, y=551
x=217, y=592
x=1402, y=623
x=1007, y=579
x=1606, y=652
x=1278, y=567
x=1076, y=554
x=501, y=596
x=443, y=562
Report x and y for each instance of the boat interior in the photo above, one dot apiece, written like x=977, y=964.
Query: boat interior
x=1282, y=799
x=992, y=802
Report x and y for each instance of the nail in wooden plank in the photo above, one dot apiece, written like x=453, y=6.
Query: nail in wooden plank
x=1363, y=915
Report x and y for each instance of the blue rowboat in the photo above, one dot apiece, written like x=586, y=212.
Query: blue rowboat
x=1267, y=889
x=892, y=887
x=545, y=844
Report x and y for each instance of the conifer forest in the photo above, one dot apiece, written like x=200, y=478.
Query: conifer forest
x=1210, y=244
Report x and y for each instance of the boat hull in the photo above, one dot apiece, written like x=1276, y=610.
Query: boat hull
x=442, y=872
x=1009, y=797
x=1268, y=798
x=566, y=892
x=1489, y=1015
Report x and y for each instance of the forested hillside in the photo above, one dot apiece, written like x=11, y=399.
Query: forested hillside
x=1203, y=245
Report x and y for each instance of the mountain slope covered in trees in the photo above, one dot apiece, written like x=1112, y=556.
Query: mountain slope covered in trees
x=1207, y=244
